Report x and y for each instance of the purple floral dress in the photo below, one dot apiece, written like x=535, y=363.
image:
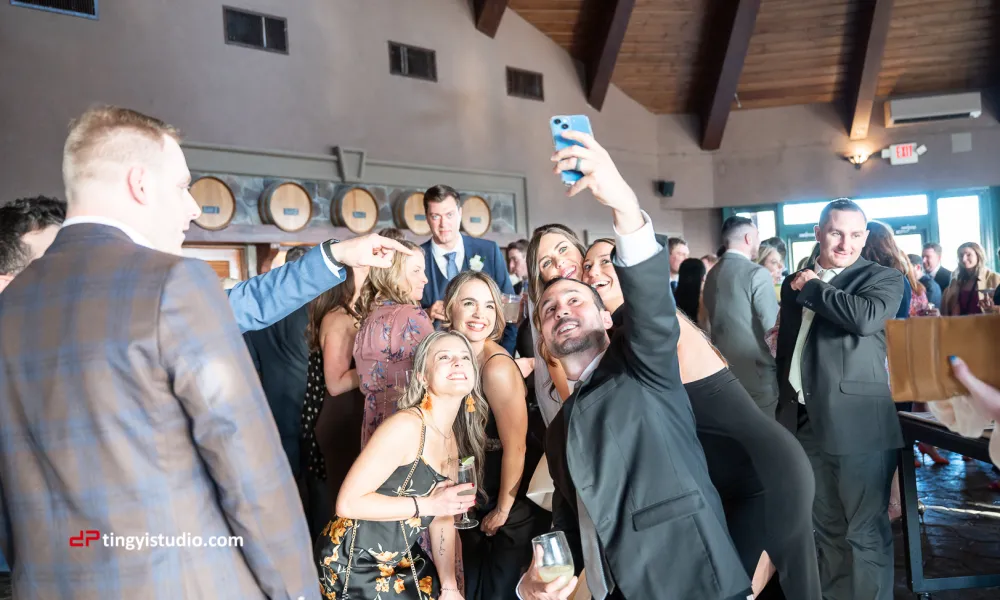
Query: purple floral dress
x=384, y=347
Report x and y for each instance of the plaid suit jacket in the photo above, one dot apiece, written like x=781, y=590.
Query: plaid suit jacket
x=129, y=405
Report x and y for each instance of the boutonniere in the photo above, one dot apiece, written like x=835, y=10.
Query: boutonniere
x=476, y=264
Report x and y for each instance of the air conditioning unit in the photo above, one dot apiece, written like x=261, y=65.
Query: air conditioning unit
x=905, y=111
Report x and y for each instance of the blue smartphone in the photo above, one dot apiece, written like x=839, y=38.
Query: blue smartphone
x=561, y=123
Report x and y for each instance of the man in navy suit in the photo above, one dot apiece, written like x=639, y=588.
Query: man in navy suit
x=448, y=253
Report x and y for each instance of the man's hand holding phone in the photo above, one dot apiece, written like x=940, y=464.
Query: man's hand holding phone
x=601, y=177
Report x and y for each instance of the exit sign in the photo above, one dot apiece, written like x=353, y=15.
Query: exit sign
x=904, y=154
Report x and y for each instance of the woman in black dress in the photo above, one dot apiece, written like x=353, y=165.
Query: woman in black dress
x=333, y=410
x=499, y=551
x=398, y=487
x=760, y=470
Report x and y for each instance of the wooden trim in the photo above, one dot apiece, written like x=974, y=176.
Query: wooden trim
x=862, y=78
x=265, y=256
x=488, y=14
x=611, y=33
x=739, y=25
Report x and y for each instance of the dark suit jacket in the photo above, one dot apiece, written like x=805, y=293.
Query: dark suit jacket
x=933, y=290
x=844, y=377
x=625, y=443
x=129, y=405
x=943, y=278
x=281, y=356
x=494, y=265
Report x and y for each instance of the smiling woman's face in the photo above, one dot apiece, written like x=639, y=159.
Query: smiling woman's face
x=558, y=257
x=599, y=273
x=474, y=312
x=449, y=369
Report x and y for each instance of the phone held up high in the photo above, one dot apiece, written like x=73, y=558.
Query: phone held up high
x=561, y=123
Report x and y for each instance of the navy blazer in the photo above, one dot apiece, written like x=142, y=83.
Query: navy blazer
x=266, y=299
x=494, y=265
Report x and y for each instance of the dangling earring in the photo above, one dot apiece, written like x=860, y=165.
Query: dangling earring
x=470, y=404
x=425, y=404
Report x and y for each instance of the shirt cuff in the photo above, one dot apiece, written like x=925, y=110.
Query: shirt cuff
x=335, y=267
x=636, y=247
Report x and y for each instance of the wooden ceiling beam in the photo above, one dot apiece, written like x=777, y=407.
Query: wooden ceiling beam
x=736, y=21
x=489, y=13
x=609, y=37
x=862, y=76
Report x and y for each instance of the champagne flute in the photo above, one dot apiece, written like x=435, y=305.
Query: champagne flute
x=467, y=474
x=557, y=560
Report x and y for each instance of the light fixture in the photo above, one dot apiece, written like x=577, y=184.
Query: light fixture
x=857, y=159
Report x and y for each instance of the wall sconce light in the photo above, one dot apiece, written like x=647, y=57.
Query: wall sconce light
x=857, y=159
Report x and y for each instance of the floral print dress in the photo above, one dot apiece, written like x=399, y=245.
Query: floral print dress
x=384, y=349
x=387, y=561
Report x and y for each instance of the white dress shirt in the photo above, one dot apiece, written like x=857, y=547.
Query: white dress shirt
x=795, y=367
x=142, y=240
x=631, y=249
x=439, y=252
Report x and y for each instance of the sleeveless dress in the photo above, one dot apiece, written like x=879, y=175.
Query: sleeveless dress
x=493, y=565
x=387, y=560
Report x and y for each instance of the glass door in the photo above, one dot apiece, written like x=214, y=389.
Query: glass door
x=958, y=222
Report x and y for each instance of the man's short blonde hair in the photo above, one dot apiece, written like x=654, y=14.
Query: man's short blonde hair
x=108, y=137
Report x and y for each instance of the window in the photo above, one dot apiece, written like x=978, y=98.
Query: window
x=958, y=223
x=875, y=208
x=410, y=61
x=524, y=84
x=765, y=222
x=254, y=30
x=78, y=8
x=800, y=251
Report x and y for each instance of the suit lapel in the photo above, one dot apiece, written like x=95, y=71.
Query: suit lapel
x=470, y=251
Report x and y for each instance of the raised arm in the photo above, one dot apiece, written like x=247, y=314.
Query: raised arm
x=206, y=361
x=649, y=329
x=266, y=299
x=863, y=313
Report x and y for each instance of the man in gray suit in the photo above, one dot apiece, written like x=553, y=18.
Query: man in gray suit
x=741, y=304
x=835, y=398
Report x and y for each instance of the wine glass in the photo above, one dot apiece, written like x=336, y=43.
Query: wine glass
x=467, y=474
x=557, y=560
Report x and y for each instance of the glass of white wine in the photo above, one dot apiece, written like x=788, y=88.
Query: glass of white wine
x=557, y=561
x=467, y=474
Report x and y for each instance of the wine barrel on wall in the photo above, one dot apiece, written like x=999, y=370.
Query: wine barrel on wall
x=355, y=209
x=218, y=206
x=476, y=217
x=287, y=205
x=408, y=213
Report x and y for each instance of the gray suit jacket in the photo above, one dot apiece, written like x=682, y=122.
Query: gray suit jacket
x=742, y=306
x=844, y=376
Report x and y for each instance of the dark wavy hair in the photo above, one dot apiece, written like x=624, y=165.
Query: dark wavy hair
x=881, y=249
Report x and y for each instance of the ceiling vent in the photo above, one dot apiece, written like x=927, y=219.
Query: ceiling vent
x=906, y=111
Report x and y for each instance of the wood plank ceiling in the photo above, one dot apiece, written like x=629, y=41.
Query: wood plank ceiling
x=800, y=52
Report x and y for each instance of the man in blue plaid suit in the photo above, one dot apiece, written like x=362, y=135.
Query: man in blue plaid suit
x=128, y=401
